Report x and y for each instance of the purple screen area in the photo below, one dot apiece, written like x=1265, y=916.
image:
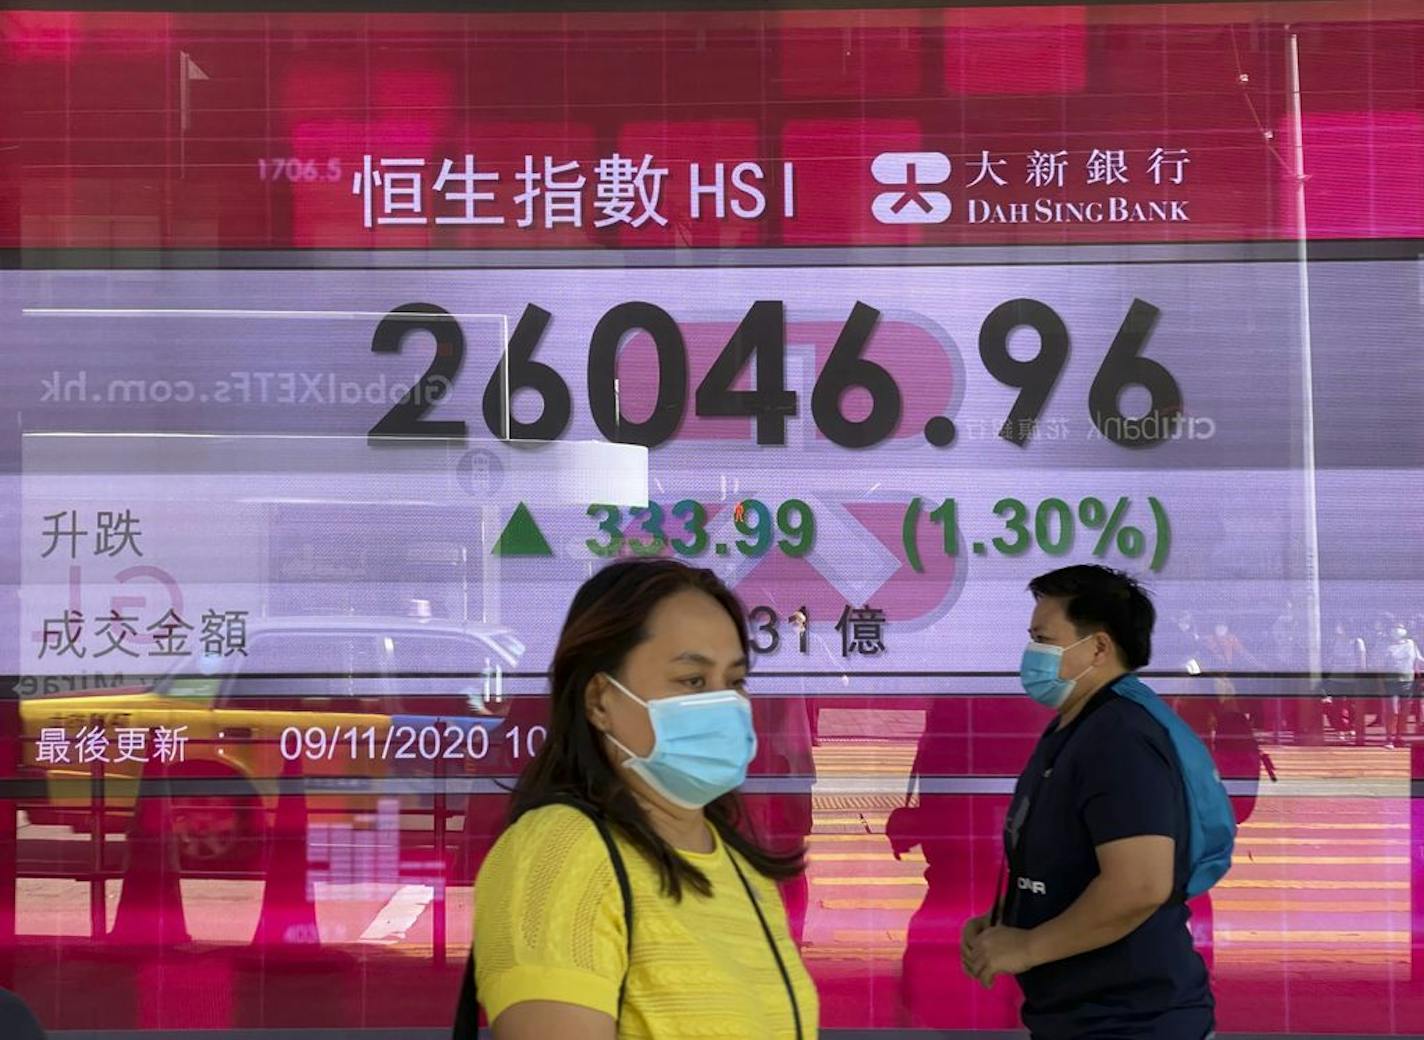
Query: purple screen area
x=1224, y=506
x=339, y=783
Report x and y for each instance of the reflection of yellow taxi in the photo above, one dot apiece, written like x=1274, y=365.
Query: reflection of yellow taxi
x=335, y=700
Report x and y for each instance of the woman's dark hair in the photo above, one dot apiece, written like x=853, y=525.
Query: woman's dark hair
x=1098, y=597
x=607, y=619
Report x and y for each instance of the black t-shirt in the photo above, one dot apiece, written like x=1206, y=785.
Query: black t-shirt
x=1110, y=774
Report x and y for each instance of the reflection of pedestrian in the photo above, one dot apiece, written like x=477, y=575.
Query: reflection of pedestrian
x=1239, y=759
x=1416, y=626
x=1346, y=660
x=962, y=861
x=1180, y=648
x=1226, y=652
x=1238, y=756
x=1399, y=663
x=1229, y=658
x=782, y=819
x=1221, y=723
x=1287, y=642
x=1291, y=654
x=1227, y=731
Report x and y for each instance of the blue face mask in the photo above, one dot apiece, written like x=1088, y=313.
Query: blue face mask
x=702, y=745
x=1038, y=671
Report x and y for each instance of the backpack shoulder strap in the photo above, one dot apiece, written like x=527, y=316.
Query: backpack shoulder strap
x=467, y=1010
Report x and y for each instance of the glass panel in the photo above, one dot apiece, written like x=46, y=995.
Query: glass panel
x=343, y=347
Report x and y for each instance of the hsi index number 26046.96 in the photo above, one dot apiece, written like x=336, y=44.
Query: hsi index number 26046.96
x=760, y=339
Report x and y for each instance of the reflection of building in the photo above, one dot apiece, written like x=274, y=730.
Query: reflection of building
x=360, y=859
x=338, y=853
x=375, y=560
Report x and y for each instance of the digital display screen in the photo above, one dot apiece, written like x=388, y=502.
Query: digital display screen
x=344, y=346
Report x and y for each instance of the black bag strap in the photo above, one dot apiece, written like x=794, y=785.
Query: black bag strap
x=467, y=1010
x=1013, y=857
x=770, y=941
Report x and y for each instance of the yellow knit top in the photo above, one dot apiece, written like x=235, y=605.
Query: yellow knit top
x=549, y=926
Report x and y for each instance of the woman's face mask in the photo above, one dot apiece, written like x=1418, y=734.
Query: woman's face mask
x=702, y=745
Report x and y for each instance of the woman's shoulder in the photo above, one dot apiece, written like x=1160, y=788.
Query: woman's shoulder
x=555, y=839
x=553, y=828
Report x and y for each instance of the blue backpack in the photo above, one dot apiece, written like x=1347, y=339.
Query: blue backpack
x=1211, y=823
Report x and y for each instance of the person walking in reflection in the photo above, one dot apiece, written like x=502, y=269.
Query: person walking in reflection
x=1346, y=661
x=1400, y=662
x=1182, y=654
x=782, y=819
x=1288, y=639
x=625, y=899
x=1416, y=702
x=959, y=839
x=1225, y=650
x=1289, y=644
x=1227, y=658
x=1182, y=645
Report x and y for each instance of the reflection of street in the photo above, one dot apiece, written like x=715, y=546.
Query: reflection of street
x=226, y=910
x=1312, y=924
x=1314, y=914
x=887, y=928
x=1320, y=883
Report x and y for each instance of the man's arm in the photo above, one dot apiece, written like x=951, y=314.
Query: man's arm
x=1130, y=801
x=1136, y=877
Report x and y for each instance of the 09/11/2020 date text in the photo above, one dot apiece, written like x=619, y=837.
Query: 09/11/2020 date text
x=439, y=740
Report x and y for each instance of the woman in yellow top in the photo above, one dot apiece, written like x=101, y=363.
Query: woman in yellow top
x=651, y=728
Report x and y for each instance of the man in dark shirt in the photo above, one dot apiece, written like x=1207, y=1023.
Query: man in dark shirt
x=1092, y=919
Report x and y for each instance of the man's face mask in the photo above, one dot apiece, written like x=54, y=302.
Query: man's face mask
x=1038, y=672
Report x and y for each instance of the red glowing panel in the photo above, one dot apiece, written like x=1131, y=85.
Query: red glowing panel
x=833, y=158
x=848, y=60
x=1363, y=175
x=1016, y=52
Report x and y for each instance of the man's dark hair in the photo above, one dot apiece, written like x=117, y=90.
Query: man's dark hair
x=1100, y=598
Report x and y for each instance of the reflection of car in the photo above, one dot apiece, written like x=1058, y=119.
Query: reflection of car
x=335, y=699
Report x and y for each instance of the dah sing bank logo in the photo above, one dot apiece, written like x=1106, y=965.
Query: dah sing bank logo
x=916, y=179
x=911, y=172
